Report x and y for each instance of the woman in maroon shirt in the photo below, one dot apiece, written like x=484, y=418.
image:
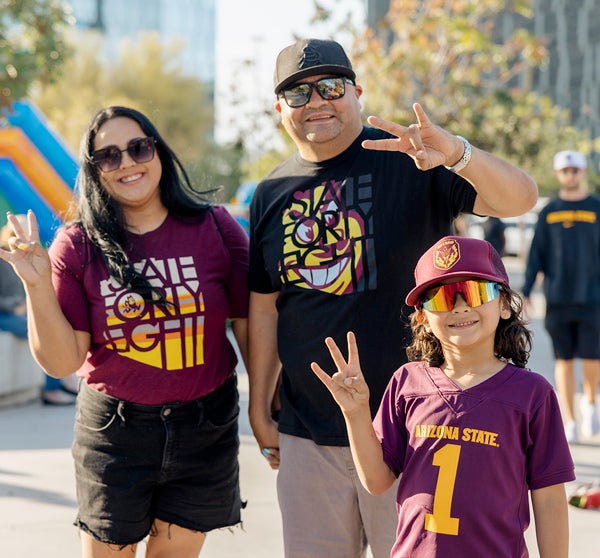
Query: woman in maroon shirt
x=135, y=295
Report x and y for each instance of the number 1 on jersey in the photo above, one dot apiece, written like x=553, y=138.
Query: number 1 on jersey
x=440, y=520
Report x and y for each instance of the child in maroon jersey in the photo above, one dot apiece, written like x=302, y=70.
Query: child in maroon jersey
x=470, y=430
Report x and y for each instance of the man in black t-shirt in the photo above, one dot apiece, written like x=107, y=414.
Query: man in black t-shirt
x=335, y=233
x=566, y=249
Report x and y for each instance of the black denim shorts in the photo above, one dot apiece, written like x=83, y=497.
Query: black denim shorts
x=176, y=462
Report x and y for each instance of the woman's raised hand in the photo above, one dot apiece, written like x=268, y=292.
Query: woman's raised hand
x=26, y=254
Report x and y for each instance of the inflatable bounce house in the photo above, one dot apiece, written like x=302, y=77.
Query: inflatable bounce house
x=37, y=171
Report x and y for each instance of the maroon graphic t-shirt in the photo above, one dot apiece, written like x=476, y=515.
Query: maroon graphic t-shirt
x=148, y=354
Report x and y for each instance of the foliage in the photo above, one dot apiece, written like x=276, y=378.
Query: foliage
x=255, y=123
x=32, y=46
x=147, y=75
x=451, y=56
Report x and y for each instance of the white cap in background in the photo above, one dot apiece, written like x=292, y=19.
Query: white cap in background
x=569, y=159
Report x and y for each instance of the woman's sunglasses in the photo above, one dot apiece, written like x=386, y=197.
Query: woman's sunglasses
x=108, y=159
x=441, y=298
x=330, y=89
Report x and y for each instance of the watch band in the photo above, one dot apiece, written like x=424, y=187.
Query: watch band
x=464, y=160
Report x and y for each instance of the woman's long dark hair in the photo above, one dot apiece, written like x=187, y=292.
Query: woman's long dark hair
x=512, y=341
x=102, y=218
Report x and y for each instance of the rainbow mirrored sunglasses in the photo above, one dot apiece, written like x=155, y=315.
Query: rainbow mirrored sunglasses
x=476, y=292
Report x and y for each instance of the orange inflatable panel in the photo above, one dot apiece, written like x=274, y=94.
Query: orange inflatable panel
x=15, y=145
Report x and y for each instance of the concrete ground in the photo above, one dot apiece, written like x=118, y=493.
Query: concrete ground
x=37, y=493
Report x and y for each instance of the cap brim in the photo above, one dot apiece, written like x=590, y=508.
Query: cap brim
x=313, y=71
x=413, y=297
x=569, y=166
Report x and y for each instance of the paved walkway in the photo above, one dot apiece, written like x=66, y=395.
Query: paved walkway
x=37, y=494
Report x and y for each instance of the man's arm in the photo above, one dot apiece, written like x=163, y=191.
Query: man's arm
x=534, y=263
x=264, y=368
x=503, y=190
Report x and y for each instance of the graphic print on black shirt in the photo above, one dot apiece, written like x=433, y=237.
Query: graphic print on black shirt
x=328, y=238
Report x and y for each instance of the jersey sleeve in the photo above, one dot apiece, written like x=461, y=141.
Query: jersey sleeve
x=389, y=424
x=549, y=461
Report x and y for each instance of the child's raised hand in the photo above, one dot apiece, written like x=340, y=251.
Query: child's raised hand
x=347, y=385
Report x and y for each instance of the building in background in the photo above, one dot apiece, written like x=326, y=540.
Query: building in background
x=191, y=21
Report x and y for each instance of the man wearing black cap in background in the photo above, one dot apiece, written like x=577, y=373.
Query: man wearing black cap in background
x=335, y=232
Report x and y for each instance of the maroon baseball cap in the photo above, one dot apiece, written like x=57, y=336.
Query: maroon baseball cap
x=310, y=57
x=456, y=256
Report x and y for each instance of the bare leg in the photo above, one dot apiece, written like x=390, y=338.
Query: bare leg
x=168, y=540
x=591, y=376
x=91, y=548
x=165, y=541
x=564, y=376
x=590, y=425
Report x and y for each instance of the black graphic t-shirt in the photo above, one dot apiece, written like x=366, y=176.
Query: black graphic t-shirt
x=339, y=240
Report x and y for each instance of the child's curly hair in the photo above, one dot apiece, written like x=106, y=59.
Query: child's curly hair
x=512, y=341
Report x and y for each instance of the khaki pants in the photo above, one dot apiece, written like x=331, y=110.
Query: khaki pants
x=326, y=511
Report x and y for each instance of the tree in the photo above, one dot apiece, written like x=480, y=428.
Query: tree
x=32, y=46
x=147, y=76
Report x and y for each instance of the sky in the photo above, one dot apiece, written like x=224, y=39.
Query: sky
x=258, y=30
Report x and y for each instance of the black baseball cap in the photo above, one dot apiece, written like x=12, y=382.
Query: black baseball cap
x=310, y=57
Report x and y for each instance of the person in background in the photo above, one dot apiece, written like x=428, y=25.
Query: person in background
x=13, y=318
x=334, y=232
x=467, y=428
x=494, y=232
x=135, y=294
x=566, y=250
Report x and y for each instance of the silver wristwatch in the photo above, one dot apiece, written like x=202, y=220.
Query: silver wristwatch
x=464, y=160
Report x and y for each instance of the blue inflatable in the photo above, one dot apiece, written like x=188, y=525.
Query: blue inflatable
x=19, y=196
x=27, y=116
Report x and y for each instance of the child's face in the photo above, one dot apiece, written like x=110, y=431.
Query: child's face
x=467, y=326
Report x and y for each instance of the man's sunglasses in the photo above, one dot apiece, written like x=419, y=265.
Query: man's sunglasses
x=108, y=159
x=330, y=89
x=441, y=298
